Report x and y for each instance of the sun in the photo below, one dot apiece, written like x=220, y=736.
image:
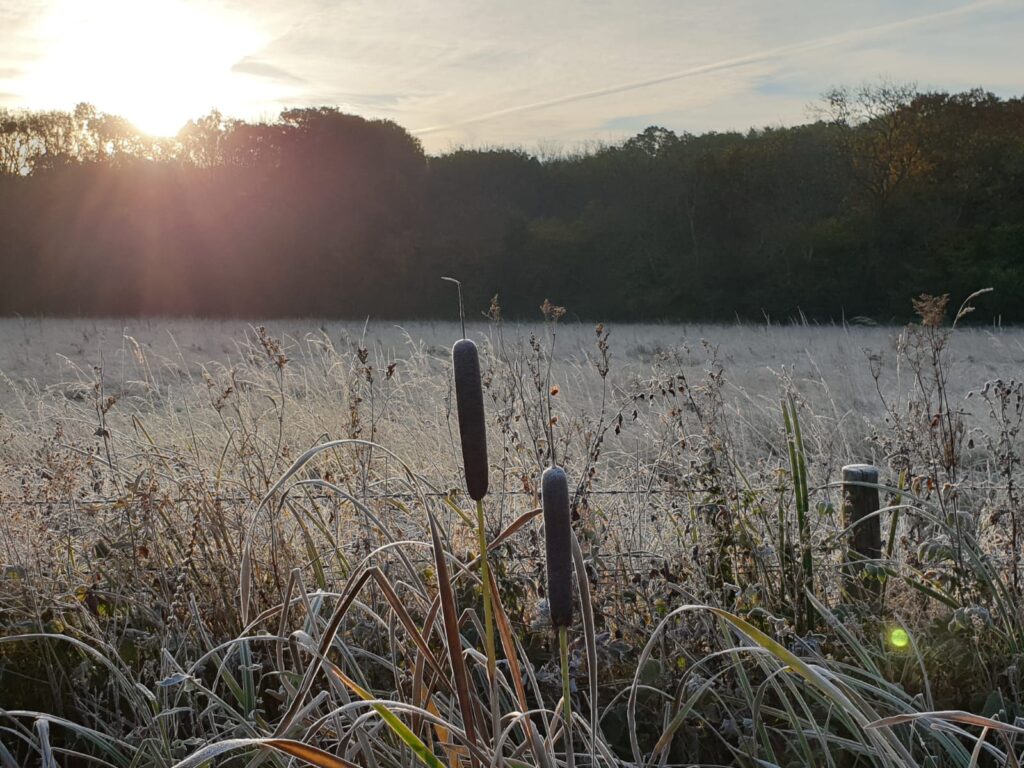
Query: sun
x=157, y=63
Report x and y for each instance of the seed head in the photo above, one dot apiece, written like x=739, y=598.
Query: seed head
x=557, y=545
x=469, y=397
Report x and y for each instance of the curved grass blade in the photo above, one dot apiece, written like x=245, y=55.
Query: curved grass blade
x=450, y=616
x=245, y=569
x=400, y=729
x=311, y=755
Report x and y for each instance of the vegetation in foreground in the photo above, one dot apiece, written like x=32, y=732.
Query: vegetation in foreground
x=249, y=573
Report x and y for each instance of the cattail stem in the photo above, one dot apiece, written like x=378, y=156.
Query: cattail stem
x=492, y=654
x=563, y=649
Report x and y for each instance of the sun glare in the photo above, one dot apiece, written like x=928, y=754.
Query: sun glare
x=157, y=63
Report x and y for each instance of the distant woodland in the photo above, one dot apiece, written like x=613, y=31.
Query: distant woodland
x=888, y=193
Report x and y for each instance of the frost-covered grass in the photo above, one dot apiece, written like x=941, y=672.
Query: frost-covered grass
x=185, y=571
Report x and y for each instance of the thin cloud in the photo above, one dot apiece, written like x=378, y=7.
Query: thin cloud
x=719, y=66
x=257, y=68
x=346, y=98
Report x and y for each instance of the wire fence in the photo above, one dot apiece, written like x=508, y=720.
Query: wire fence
x=112, y=500
x=100, y=501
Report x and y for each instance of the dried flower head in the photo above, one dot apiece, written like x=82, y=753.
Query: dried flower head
x=931, y=309
x=272, y=347
x=551, y=312
x=494, y=312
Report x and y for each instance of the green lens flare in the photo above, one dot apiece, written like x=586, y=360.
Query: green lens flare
x=899, y=638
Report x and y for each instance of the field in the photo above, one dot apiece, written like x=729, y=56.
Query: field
x=188, y=579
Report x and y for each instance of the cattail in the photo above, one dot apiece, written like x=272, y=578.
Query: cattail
x=557, y=545
x=469, y=397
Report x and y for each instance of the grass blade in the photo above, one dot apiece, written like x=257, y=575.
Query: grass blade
x=450, y=617
x=311, y=755
x=400, y=729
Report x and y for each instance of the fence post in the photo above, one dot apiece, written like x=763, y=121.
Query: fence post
x=864, y=540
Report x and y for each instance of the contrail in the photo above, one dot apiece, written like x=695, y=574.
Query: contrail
x=718, y=66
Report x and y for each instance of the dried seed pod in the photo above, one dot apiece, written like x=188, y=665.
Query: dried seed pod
x=469, y=397
x=558, y=545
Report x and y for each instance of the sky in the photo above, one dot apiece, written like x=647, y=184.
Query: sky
x=546, y=75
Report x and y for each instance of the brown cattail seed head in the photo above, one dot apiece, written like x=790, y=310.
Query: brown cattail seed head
x=557, y=545
x=469, y=397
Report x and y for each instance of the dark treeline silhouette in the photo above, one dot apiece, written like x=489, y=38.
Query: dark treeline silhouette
x=889, y=193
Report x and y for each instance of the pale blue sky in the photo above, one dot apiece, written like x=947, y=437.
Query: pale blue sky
x=552, y=74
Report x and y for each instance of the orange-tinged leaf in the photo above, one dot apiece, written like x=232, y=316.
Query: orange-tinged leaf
x=311, y=755
x=950, y=716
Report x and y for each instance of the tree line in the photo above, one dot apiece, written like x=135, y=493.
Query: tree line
x=887, y=193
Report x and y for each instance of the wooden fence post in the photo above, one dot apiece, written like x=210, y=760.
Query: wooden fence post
x=864, y=540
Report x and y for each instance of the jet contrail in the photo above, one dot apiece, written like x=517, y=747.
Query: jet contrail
x=718, y=66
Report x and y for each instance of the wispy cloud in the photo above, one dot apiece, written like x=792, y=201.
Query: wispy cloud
x=576, y=70
x=257, y=68
x=829, y=41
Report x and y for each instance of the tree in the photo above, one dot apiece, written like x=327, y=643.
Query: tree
x=882, y=136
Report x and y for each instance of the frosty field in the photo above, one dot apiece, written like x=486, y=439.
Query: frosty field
x=180, y=572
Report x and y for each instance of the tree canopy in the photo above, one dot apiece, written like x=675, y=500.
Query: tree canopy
x=887, y=194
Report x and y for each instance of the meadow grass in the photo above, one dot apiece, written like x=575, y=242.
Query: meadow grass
x=230, y=544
